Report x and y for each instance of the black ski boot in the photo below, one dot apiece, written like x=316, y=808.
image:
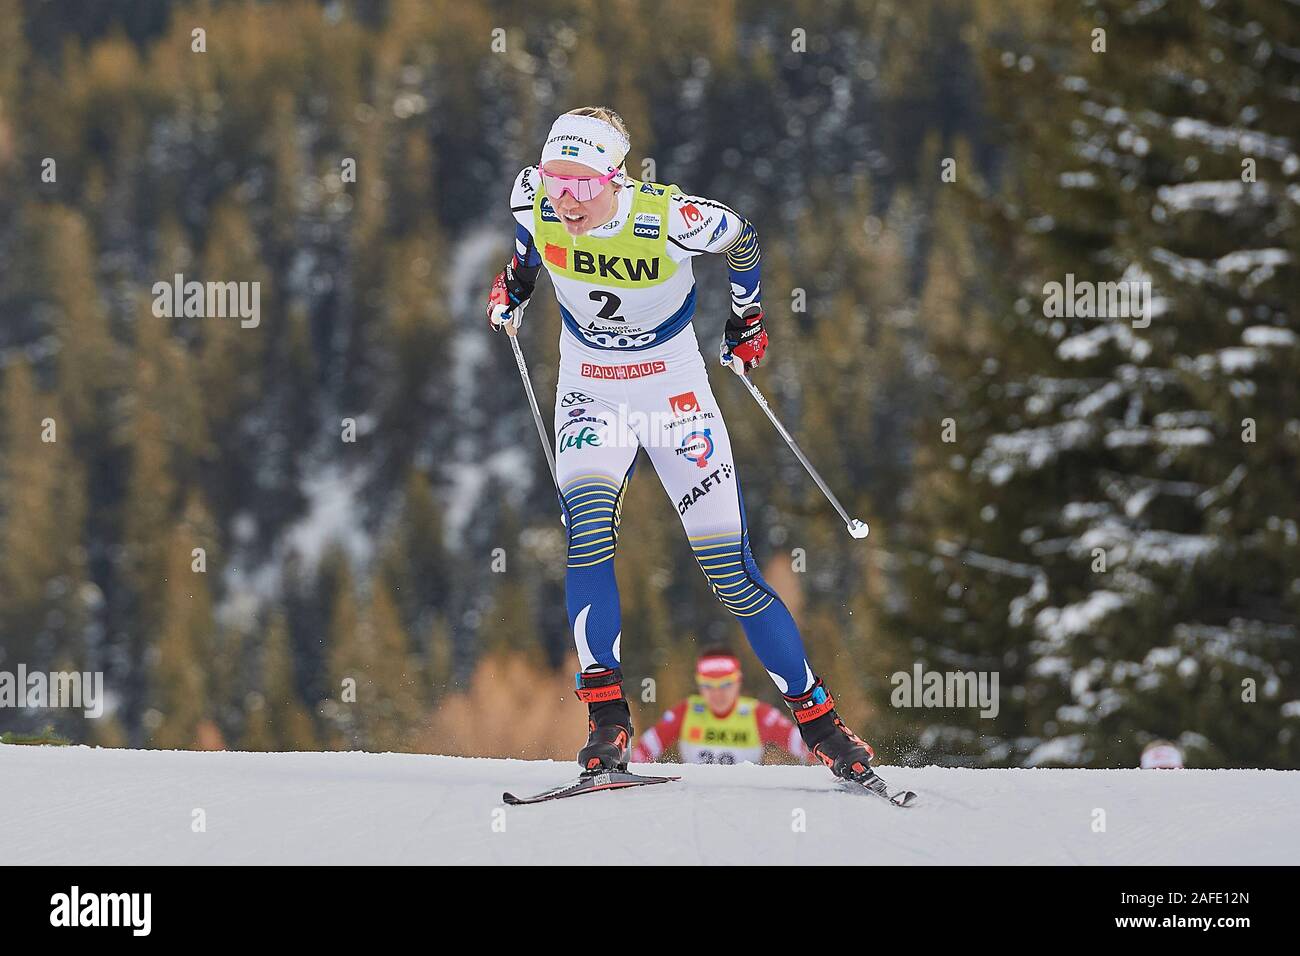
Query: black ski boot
x=846, y=754
x=609, y=722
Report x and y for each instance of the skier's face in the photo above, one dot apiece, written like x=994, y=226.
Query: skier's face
x=580, y=218
x=721, y=695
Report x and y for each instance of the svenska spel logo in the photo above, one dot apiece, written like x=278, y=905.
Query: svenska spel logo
x=683, y=404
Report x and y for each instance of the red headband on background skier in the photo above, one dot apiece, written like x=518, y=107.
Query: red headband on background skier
x=711, y=668
x=620, y=256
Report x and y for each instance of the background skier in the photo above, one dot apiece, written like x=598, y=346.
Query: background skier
x=718, y=725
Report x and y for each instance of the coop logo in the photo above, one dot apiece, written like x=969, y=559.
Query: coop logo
x=946, y=689
x=684, y=404
x=1098, y=300
x=697, y=447
x=82, y=691
x=575, y=398
x=628, y=339
x=548, y=211
x=131, y=910
x=652, y=189
x=209, y=300
x=711, y=481
x=646, y=225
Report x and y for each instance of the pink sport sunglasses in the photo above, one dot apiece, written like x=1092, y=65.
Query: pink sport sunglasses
x=581, y=188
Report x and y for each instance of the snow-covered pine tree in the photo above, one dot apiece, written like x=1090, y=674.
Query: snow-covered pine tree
x=1115, y=527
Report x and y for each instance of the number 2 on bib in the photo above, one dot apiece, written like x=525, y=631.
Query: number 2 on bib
x=609, y=311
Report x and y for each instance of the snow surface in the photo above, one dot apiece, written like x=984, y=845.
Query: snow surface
x=79, y=805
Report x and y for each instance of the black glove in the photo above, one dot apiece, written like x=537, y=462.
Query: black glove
x=744, y=340
x=511, y=290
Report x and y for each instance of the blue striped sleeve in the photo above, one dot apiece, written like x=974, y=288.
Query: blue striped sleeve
x=744, y=267
x=525, y=249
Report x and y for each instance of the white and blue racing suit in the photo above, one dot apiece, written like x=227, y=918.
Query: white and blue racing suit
x=631, y=376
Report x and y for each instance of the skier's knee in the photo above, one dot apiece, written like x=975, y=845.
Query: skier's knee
x=727, y=563
x=591, y=506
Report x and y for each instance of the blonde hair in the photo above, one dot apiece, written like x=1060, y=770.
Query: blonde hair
x=613, y=119
x=606, y=114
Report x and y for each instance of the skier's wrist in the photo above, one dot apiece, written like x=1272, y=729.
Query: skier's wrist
x=745, y=339
x=520, y=280
x=510, y=293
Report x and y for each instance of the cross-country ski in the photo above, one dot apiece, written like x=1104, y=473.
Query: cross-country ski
x=591, y=781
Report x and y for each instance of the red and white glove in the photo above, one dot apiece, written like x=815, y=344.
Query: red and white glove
x=745, y=340
x=508, y=298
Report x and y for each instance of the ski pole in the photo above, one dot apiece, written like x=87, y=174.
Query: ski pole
x=856, y=528
x=532, y=402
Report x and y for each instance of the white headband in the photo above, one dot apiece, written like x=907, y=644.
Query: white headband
x=587, y=140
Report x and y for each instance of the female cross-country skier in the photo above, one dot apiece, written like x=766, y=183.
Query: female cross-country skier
x=619, y=253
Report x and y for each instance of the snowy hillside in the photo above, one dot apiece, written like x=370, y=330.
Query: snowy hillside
x=81, y=805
